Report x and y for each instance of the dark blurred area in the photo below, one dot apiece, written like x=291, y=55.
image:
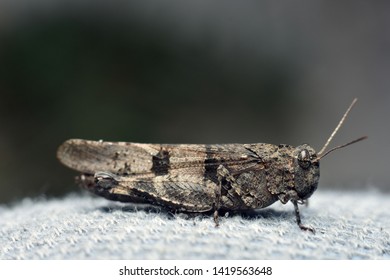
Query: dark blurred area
x=191, y=72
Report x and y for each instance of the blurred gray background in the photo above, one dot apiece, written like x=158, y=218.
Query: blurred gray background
x=178, y=71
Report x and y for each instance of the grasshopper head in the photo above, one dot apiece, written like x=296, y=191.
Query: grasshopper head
x=307, y=162
x=307, y=171
x=304, y=166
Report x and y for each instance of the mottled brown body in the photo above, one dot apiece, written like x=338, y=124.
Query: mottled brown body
x=199, y=178
x=193, y=178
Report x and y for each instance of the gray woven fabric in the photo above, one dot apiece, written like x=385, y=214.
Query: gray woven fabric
x=348, y=225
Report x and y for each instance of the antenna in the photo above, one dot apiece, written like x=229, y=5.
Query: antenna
x=337, y=127
x=321, y=153
x=341, y=146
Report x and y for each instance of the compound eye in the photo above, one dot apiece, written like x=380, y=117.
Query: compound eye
x=304, y=159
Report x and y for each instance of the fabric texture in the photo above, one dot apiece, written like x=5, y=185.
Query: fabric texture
x=348, y=226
